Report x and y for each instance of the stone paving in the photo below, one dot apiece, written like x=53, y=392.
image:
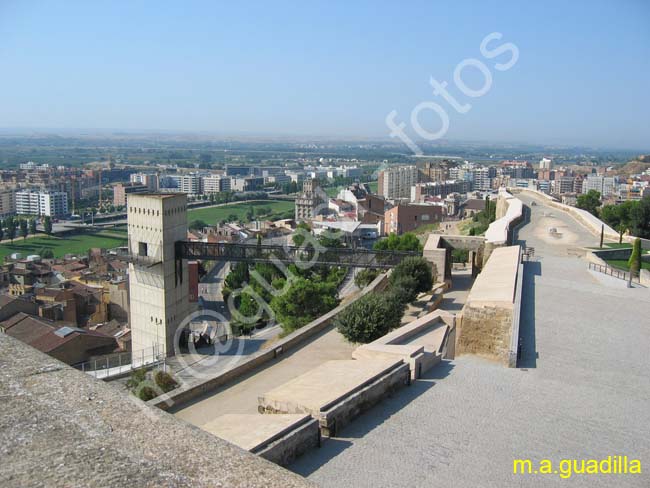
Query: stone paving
x=582, y=391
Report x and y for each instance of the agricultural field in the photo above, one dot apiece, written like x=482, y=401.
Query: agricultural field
x=70, y=244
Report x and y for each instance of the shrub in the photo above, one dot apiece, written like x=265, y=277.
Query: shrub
x=369, y=318
x=365, y=277
x=146, y=393
x=164, y=381
x=417, y=267
x=404, y=289
x=137, y=377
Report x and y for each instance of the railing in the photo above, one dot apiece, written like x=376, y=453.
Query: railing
x=222, y=251
x=121, y=362
x=616, y=273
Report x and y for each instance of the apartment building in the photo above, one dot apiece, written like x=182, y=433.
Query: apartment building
x=216, y=184
x=7, y=203
x=396, y=182
x=45, y=203
x=122, y=190
x=605, y=185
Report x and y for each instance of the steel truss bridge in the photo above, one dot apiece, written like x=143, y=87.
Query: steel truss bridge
x=265, y=253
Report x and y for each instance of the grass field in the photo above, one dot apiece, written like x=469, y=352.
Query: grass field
x=72, y=244
x=212, y=215
x=622, y=264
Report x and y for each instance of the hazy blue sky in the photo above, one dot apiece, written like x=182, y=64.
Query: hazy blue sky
x=327, y=68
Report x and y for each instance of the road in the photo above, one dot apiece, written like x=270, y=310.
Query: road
x=582, y=391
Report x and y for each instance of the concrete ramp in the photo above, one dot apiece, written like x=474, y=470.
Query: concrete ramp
x=278, y=438
x=337, y=391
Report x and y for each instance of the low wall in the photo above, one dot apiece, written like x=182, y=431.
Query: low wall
x=421, y=343
x=488, y=319
x=510, y=211
x=592, y=223
x=191, y=391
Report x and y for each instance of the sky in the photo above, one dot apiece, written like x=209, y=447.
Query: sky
x=330, y=68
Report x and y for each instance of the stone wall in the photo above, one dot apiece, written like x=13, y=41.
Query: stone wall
x=490, y=318
x=60, y=427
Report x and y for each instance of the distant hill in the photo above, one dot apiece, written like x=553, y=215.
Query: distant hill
x=639, y=165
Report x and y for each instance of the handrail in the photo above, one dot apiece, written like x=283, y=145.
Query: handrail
x=616, y=273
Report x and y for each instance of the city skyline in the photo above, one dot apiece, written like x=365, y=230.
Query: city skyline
x=327, y=71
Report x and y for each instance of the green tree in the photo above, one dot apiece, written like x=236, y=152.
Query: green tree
x=404, y=289
x=418, y=268
x=299, y=235
x=303, y=302
x=198, y=224
x=590, y=202
x=634, y=262
x=47, y=225
x=365, y=277
x=640, y=218
x=11, y=229
x=405, y=242
x=32, y=226
x=24, y=230
x=2, y=232
x=369, y=318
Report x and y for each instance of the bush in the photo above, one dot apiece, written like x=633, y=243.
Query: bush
x=404, y=289
x=164, y=381
x=365, y=277
x=146, y=393
x=137, y=377
x=369, y=318
x=417, y=267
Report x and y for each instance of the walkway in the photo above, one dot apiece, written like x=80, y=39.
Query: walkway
x=584, y=392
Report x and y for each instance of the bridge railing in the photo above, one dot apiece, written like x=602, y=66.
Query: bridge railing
x=226, y=251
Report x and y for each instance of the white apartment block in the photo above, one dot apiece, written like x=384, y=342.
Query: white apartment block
x=605, y=185
x=546, y=163
x=42, y=203
x=150, y=180
x=396, y=182
x=216, y=184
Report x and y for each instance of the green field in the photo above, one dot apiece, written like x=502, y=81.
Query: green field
x=622, y=264
x=72, y=244
x=212, y=215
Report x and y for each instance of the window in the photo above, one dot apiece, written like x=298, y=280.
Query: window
x=142, y=248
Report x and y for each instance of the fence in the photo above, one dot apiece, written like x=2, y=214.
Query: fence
x=122, y=362
x=616, y=273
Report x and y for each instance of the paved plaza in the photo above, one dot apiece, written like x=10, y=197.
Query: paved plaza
x=582, y=391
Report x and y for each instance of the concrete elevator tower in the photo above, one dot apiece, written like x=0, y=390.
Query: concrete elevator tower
x=158, y=286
